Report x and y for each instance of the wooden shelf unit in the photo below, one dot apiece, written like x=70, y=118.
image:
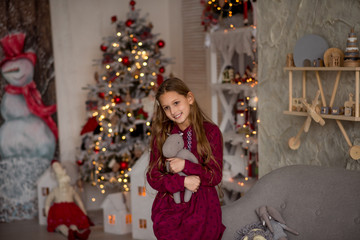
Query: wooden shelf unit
x=316, y=70
x=294, y=142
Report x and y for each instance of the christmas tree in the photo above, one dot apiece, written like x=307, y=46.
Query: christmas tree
x=120, y=104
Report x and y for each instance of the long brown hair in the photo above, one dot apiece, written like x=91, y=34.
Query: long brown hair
x=162, y=125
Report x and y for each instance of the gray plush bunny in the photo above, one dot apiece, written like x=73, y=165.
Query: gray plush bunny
x=273, y=220
x=174, y=147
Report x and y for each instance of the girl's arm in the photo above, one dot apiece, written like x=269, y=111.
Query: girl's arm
x=163, y=182
x=211, y=173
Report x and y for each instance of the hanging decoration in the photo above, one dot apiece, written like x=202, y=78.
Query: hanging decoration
x=216, y=10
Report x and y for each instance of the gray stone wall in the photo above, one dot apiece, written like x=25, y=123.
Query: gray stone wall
x=280, y=24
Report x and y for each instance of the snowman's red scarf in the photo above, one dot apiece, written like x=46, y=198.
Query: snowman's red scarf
x=35, y=104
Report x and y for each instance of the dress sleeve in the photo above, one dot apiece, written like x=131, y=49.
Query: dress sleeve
x=161, y=181
x=211, y=173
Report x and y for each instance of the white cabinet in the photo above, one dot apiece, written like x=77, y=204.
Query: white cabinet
x=235, y=48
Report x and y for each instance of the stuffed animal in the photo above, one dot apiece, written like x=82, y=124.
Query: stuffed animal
x=273, y=220
x=174, y=147
x=64, y=208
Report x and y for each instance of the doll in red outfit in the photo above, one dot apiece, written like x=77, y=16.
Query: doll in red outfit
x=176, y=111
x=65, y=215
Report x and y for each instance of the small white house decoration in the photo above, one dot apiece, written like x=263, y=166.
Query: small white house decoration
x=45, y=184
x=117, y=216
x=142, y=197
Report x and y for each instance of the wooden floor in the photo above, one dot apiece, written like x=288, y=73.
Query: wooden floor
x=31, y=230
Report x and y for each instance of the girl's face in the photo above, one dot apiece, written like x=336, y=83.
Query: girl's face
x=177, y=107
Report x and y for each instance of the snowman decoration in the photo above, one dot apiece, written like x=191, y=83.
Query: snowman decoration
x=28, y=135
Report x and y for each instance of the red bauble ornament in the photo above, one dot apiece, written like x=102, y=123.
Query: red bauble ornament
x=160, y=79
x=113, y=19
x=132, y=3
x=134, y=40
x=126, y=61
x=103, y=48
x=129, y=22
x=160, y=43
x=101, y=94
x=79, y=162
x=96, y=150
x=162, y=70
x=124, y=165
x=117, y=99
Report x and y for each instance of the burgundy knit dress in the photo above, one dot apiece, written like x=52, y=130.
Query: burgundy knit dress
x=200, y=218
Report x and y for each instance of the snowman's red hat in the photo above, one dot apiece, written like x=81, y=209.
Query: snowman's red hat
x=13, y=46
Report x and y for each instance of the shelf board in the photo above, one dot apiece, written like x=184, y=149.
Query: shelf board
x=326, y=116
x=322, y=68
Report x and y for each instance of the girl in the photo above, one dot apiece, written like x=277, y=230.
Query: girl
x=176, y=111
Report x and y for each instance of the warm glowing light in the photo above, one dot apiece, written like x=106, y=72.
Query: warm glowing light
x=140, y=44
x=147, y=123
x=129, y=114
x=118, y=34
x=123, y=137
x=131, y=129
x=93, y=199
x=120, y=60
x=144, y=64
x=107, y=66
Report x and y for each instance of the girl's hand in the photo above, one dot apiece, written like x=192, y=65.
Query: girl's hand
x=176, y=164
x=192, y=183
